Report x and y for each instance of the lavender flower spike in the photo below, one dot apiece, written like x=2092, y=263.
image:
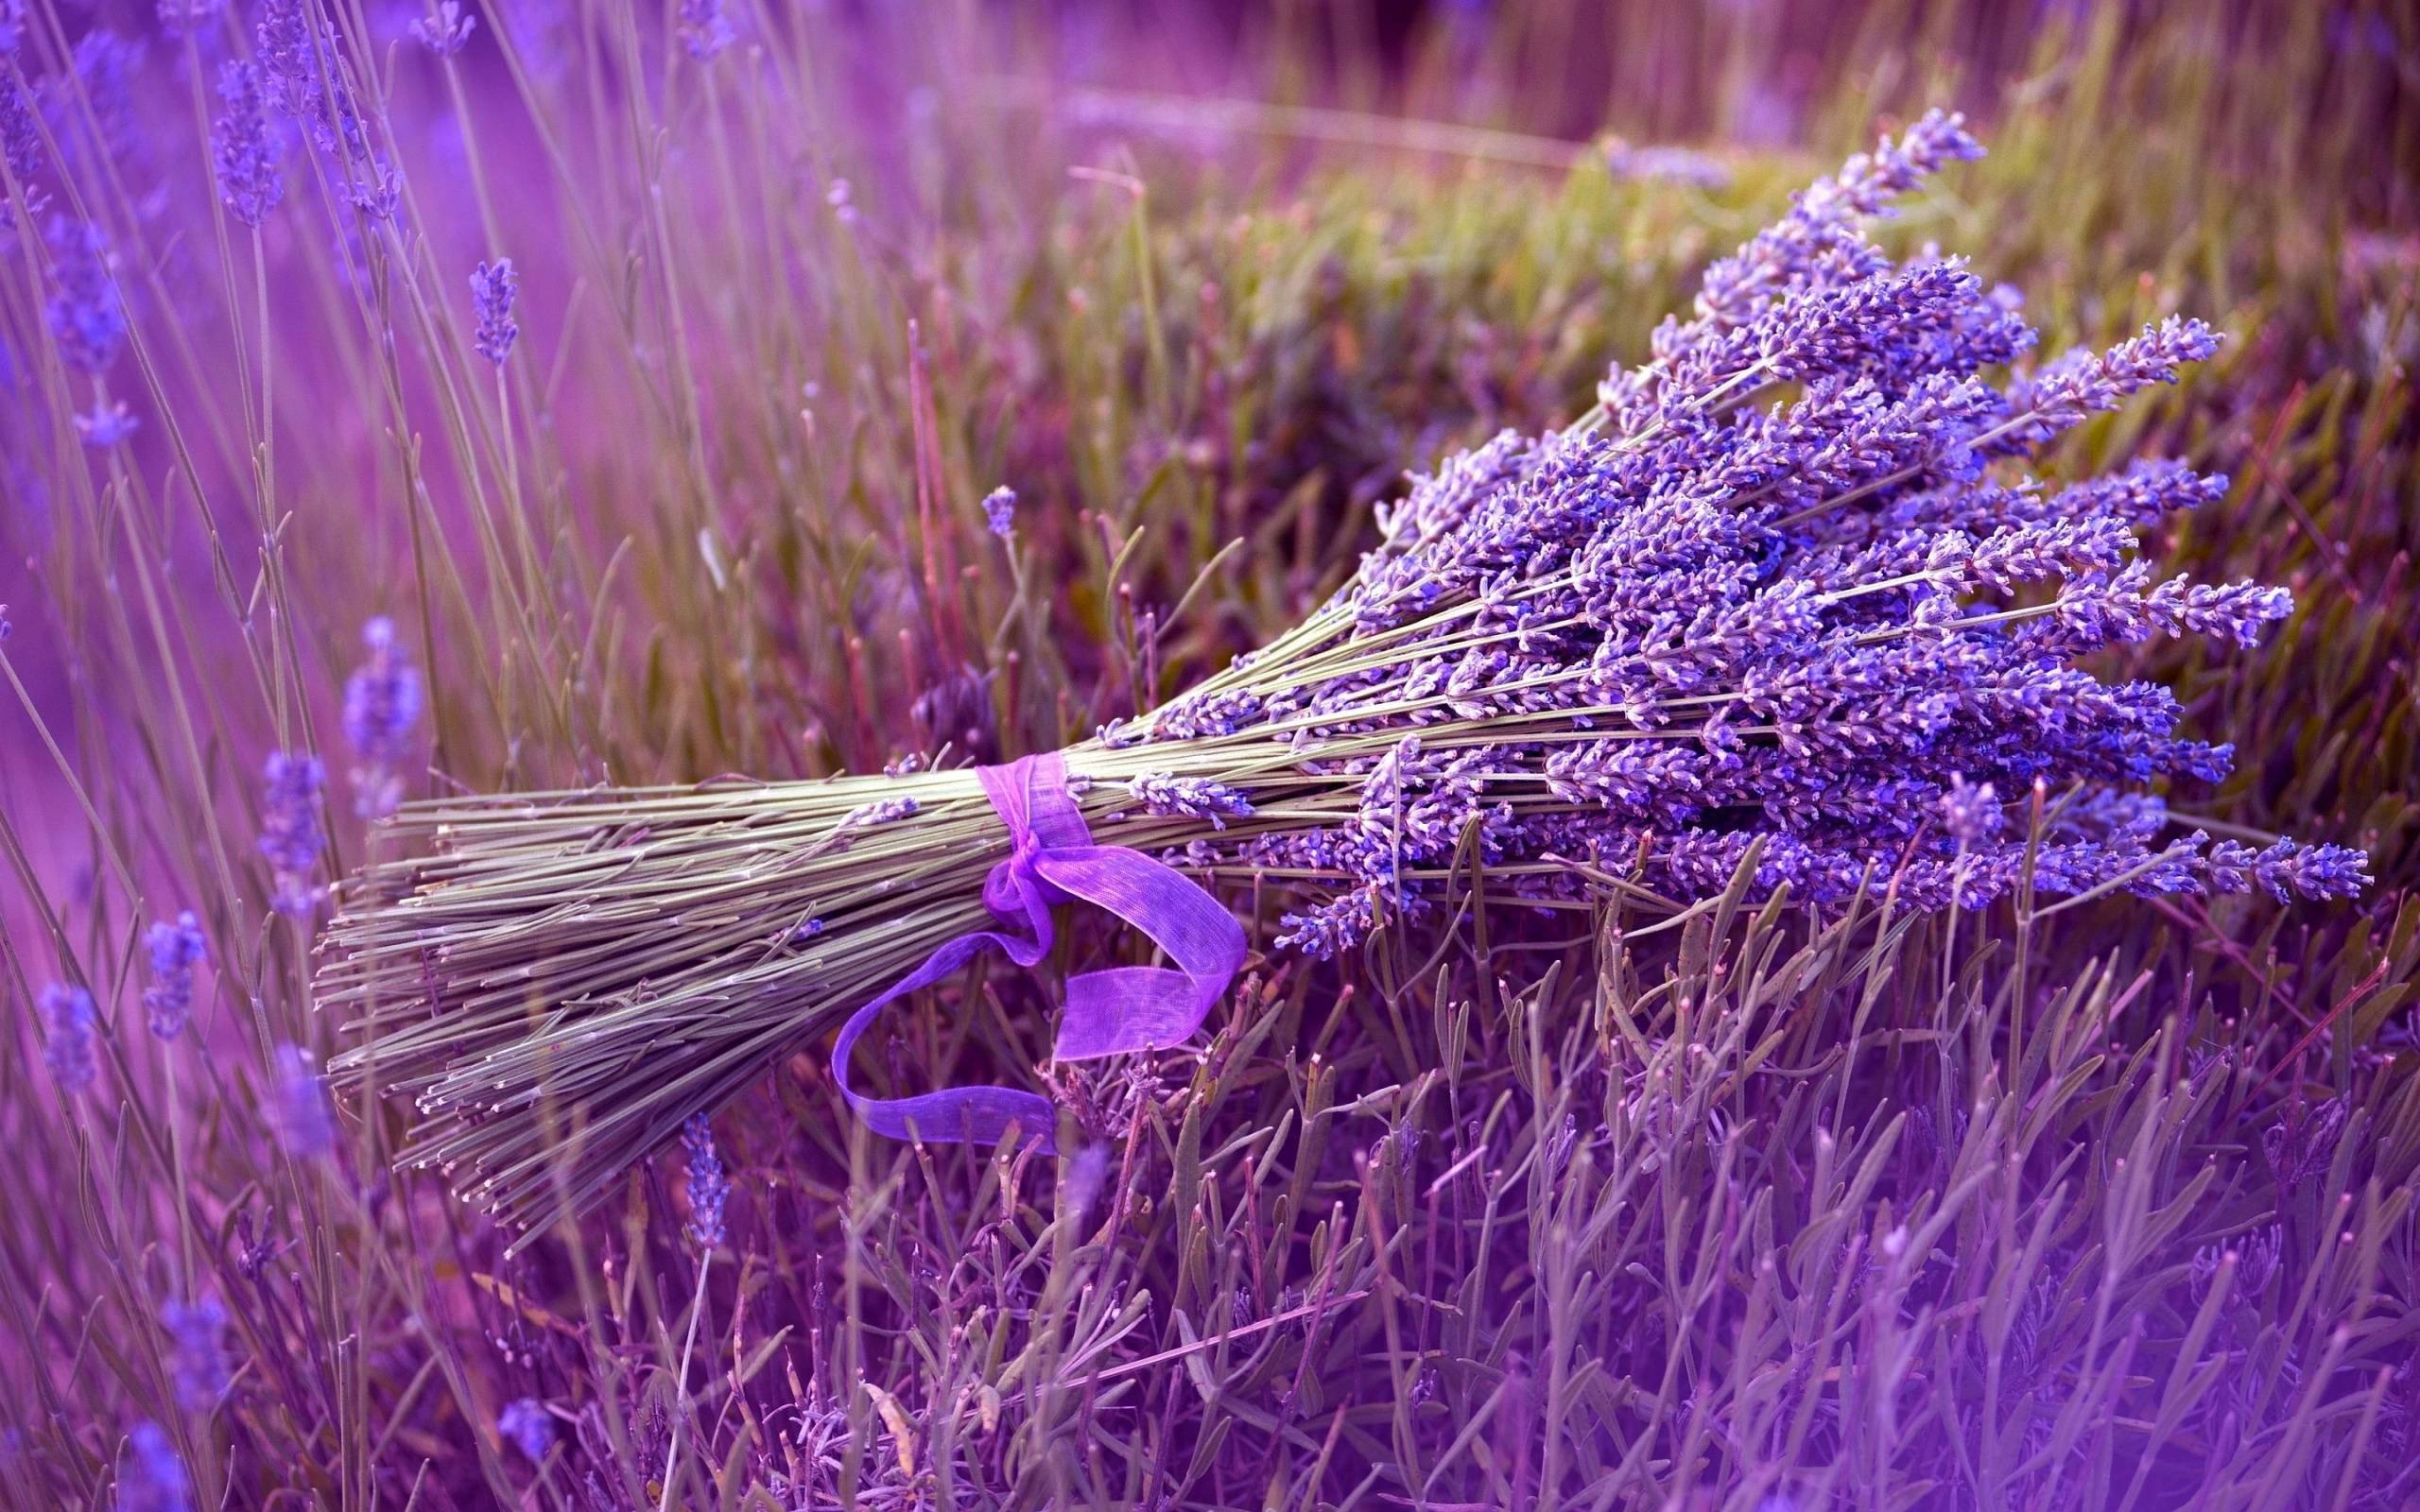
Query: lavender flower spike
x=290, y=837
x=150, y=1478
x=382, y=702
x=176, y=949
x=86, y=316
x=445, y=28
x=1196, y=797
x=704, y=29
x=196, y=1331
x=245, y=153
x=708, y=1190
x=527, y=1424
x=1001, y=512
x=493, y=286
x=67, y=1028
x=298, y=1105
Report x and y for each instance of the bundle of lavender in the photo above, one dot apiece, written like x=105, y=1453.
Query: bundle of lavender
x=1787, y=588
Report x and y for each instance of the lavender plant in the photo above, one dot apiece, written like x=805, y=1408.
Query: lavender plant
x=1785, y=599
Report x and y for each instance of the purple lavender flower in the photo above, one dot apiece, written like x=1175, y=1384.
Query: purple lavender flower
x=197, y=1353
x=299, y=1111
x=86, y=316
x=305, y=78
x=290, y=838
x=527, y=1424
x=1970, y=811
x=703, y=28
x=111, y=423
x=150, y=1478
x=708, y=1190
x=1001, y=512
x=67, y=1020
x=882, y=811
x=180, y=18
x=382, y=703
x=493, y=286
x=445, y=28
x=175, y=949
x=242, y=148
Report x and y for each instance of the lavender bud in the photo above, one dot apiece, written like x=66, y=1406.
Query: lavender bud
x=111, y=423
x=703, y=28
x=708, y=1190
x=1970, y=811
x=1001, y=512
x=86, y=316
x=527, y=1424
x=382, y=702
x=176, y=949
x=67, y=1027
x=290, y=838
x=493, y=286
x=150, y=1478
x=1196, y=797
x=197, y=1356
x=445, y=28
x=304, y=1123
x=250, y=184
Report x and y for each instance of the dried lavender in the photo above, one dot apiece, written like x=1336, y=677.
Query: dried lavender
x=67, y=1020
x=150, y=1478
x=382, y=703
x=290, y=838
x=87, y=317
x=198, y=1352
x=1788, y=595
x=175, y=949
x=708, y=1190
x=242, y=146
x=493, y=286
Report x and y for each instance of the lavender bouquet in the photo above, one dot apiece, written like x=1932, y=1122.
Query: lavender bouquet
x=1784, y=602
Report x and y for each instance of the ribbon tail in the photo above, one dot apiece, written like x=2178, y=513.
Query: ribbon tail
x=1143, y=1007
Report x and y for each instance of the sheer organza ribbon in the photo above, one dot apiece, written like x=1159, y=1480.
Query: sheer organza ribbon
x=1052, y=860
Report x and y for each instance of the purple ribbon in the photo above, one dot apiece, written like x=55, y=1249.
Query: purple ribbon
x=1051, y=860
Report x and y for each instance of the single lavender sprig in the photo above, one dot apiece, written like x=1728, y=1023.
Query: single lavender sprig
x=1197, y=798
x=197, y=1355
x=150, y=1478
x=180, y=18
x=87, y=317
x=68, y=1022
x=493, y=286
x=242, y=146
x=111, y=423
x=290, y=837
x=382, y=704
x=708, y=1190
x=176, y=948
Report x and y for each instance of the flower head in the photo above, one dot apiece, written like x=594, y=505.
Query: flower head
x=198, y=1354
x=1001, y=512
x=87, y=317
x=111, y=423
x=242, y=146
x=382, y=703
x=304, y=1123
x=445, y=28
x=176, y=949
x=290, y=837
x=150, y=1478
x=493, y=286
x=530, y=1428
x=68, y=1019
x=708, y=1190
x=703, y=28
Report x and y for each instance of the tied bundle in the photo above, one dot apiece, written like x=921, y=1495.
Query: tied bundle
x=1784, y=601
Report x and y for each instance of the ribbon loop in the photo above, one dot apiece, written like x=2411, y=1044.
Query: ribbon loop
x=1052, y=860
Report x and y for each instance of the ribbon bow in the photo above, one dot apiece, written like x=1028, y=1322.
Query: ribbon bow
x=1052, y=860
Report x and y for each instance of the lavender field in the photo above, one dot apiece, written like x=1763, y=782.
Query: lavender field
x=774, y=754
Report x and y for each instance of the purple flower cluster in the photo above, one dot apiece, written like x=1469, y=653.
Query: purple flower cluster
x=1001, y=512
x=298, y=1106
x=493, y=286
x=150, y=1478
x=198, y=1354
x=242, y=146
x=703, y=30
x=445, y=28
x=1196, y=797
x=526, y=1423
x=290, y=838
x=67, y=1022
x=176, y=949
x=87, y=319
x=708, y=1189
x=382, y=702
x=1793, y=595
